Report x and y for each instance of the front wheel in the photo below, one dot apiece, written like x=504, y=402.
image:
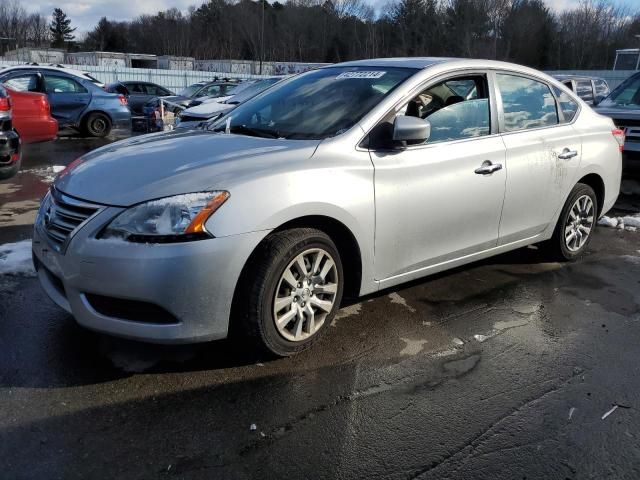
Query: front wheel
x=291, y=291
x=97, y=125
x=575, y=226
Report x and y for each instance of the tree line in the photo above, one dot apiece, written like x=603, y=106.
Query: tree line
x=529, y=32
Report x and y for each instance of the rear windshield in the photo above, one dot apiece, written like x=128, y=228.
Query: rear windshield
x=625, y=95
x=190, y=90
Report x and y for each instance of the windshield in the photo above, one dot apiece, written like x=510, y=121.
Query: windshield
x=626, y=95
x=315, y=105
x=190, y=90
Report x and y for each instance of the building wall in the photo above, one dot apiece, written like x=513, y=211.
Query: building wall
x=37, y=55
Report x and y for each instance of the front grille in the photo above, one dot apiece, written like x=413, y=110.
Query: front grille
x=61, y=216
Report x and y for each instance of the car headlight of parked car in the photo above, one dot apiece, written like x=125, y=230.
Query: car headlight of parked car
x=178, y=218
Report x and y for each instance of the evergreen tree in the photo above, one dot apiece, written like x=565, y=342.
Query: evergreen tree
x=60, y=28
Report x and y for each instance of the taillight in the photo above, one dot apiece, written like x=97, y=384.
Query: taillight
x=5, y=104
x=44, y=104
x=618, y=134
x=123, y=100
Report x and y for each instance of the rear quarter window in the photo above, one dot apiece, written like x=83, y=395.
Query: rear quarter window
x=568, y=106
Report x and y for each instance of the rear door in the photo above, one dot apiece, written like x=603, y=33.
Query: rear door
x=543, y=154
x=68, y=98
x=138, y=96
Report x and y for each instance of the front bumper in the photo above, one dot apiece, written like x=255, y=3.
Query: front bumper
x=192, y=282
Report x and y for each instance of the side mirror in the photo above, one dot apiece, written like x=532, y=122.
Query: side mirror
x=411, y=129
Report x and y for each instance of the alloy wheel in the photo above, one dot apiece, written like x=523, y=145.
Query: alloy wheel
x=579, y=223
x=305, y=295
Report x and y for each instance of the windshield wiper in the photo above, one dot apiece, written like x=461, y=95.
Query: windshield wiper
x=254, y=132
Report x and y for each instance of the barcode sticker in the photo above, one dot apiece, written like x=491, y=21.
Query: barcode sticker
x=362, y=74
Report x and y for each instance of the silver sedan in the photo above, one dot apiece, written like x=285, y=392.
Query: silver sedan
x=341, y=181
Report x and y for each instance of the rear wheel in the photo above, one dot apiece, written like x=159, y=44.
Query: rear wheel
x=97, y=125
x=8, y=172
x=575, y=226
x=291, y=291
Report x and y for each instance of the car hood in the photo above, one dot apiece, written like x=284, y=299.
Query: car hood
x=621, y=113
x=207, y=110
x=176, y=99
x=163, y=164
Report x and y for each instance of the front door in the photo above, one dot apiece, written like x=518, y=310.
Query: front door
x=440, y=200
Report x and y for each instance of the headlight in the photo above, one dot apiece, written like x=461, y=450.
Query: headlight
x=171, y=219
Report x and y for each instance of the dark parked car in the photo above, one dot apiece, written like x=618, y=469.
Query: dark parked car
x=623, y=106
x=590, y=89
x=193, y=94
x=138, y=93
x=76, y=101
x=10, y=154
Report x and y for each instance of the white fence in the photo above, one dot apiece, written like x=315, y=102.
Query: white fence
x=171, y=79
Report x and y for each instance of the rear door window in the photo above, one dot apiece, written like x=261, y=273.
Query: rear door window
x=137, y=88
x=55, y=84
x=602, y=88
x=526, y=103
x=27, y=82
x=584, y=89
x=568, y=105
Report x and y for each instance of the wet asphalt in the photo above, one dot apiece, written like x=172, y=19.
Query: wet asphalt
x=502, y=369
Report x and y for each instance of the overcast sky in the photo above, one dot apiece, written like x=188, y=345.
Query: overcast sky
x=85, y=14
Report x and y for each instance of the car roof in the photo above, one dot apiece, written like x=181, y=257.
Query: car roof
x=576, y=77
x=70, y=71
x=406, y=62
x=421, y=63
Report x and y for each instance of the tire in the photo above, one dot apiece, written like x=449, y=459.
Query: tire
x=558, y=247
x=8, y=172
x=263, y=282
x=96, y=125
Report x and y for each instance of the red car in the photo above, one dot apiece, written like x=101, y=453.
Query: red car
x=10, y=151
x=32, y=116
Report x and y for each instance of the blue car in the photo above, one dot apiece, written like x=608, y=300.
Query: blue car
x=77, y=99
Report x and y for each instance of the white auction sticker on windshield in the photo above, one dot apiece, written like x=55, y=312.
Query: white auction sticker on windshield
x=362, y=74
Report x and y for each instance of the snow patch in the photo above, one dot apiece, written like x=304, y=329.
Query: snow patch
x=347, y=312
x=632, y=259
x=15, y=259
x=395, y=298
x=412, y=347
x=630, y=223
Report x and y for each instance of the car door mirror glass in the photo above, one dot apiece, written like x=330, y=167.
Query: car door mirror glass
x=411, y=129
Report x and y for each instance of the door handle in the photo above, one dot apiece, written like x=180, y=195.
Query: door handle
x=487, y=168
x=567, y=154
